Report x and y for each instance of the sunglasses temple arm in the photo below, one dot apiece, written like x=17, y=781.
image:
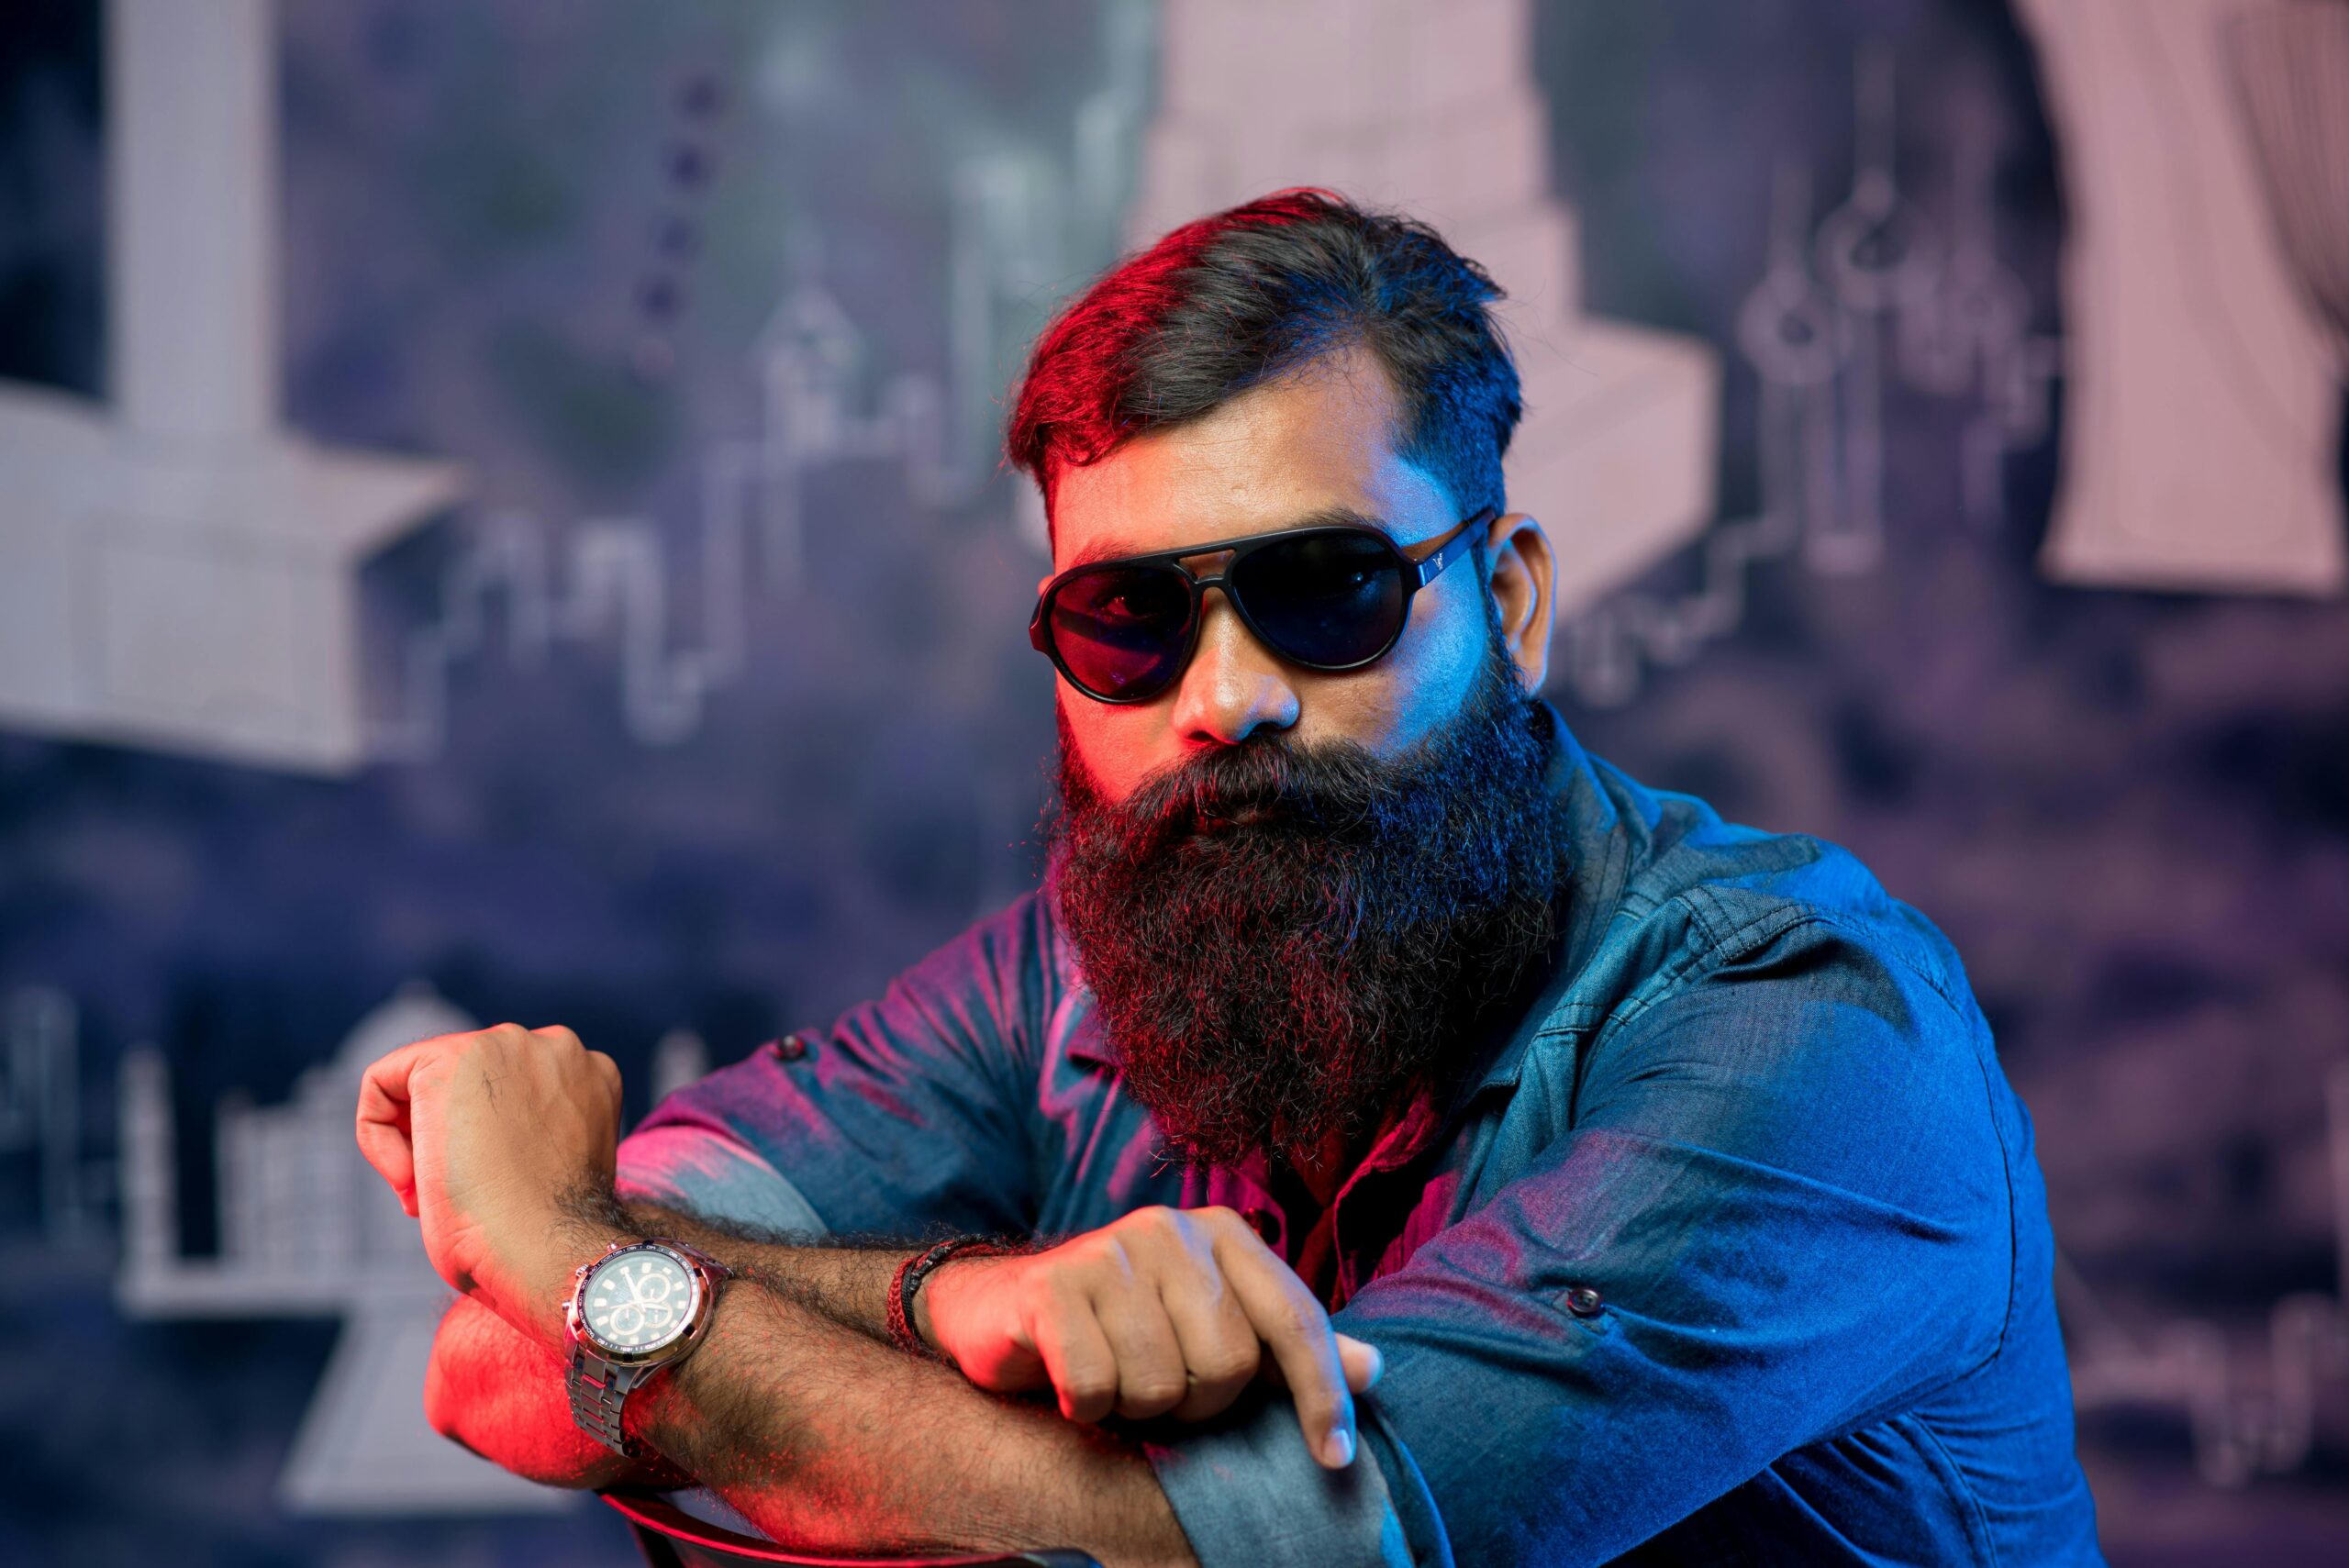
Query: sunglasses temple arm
x=1456, y=547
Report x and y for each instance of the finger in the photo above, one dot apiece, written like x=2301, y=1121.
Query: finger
x=1296, y=1331
x=608, y=1070
x=1362, y=1361
x=1076, y=1355
x=1151, y=1379
x=384, y=1130
x=1221, y=1351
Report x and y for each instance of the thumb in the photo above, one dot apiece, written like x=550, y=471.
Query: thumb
x=1361, y=1361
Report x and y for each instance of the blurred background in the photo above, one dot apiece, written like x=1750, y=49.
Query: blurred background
x=500, y=517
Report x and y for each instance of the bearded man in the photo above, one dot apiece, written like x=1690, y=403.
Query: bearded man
x=1402, y=1136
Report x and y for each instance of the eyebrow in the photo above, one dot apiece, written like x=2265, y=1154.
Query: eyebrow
x=1337, y=515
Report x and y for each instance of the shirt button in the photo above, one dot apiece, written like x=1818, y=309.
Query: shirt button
x=791, y=1047
x=1584, y=1302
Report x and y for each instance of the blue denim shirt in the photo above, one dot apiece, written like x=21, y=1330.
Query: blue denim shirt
x=1732, y=1248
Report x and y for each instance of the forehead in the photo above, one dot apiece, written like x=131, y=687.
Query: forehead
x=1279, y=454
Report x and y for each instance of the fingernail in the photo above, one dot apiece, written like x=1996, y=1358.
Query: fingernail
x=1377, y=1364
x=1341, y=1448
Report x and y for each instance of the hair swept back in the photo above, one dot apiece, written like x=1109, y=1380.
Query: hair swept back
x=1239, y=297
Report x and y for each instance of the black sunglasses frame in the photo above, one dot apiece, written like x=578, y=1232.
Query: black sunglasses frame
x=1416, y=573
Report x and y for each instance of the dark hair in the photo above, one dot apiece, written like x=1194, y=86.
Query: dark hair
x=1236, y=299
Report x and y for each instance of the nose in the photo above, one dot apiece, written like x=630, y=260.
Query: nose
x=1234, y=687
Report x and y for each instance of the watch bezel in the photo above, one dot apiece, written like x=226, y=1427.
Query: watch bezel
x=700, y=1273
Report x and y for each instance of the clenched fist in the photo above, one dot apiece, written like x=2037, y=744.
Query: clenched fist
x=1164, y=1311
x=484, y=1136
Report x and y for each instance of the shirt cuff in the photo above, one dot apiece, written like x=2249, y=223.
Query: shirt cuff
x=1249, y=1494
x=714, y=1175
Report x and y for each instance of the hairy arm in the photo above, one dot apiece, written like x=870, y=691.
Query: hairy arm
x=501, y=1142
x=500, y=1393
x=808, y=1423
x=800, y=1414
x=830, y=1440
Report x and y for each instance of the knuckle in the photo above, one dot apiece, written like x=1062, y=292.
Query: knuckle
x=1234, y=1362
x=1151, y=1221
x=1295, y=1317
x=1158, y=1389
x=1089, y=1382
x=1109, y=1254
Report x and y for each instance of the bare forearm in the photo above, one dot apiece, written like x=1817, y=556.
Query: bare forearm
x=501, y=1394
x=848, y=1284
x=830, y=1439
x=799, y=1410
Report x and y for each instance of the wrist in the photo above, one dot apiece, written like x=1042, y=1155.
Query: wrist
x=943, y=1292
x=636, y=1310
x=534, y=1292
x=924, y=1326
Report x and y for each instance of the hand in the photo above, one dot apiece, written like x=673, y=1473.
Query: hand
x=1164, y=1310
x=484, y=1136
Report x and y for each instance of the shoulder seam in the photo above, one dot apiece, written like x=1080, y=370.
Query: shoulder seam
x=1725, y=947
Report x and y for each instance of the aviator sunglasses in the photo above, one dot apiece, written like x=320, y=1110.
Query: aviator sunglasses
x=1333, y=596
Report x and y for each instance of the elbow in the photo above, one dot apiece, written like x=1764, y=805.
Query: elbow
x=442, y=1407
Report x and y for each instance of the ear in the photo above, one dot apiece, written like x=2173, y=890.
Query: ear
x=1524, y=578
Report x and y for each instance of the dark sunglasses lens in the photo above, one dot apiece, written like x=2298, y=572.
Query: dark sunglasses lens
x=1328, y=599
x=1121, y=631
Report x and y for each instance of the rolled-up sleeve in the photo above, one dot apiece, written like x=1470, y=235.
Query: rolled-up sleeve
x=909, y=1116
x=1781, y=1212
x=1246, y=1490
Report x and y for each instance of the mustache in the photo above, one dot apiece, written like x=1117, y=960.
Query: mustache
x=1271, y=783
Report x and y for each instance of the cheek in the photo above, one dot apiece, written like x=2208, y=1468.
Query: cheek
x=1403, y=697
x=1119, y=745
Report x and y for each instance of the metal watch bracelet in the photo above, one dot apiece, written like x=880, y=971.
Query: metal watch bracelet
x=598, y=1383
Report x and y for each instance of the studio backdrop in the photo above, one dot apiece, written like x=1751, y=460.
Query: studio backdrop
x=502, y=517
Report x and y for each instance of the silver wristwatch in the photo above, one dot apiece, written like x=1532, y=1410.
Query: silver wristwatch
x=641, y=1307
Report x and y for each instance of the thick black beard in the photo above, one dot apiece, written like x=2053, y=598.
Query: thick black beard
x=1286, y=944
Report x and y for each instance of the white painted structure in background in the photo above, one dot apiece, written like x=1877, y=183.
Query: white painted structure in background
x=177, y=569
x=1433, y=109
x=40, y=1112
x=2203, y=399
x=308, y=1229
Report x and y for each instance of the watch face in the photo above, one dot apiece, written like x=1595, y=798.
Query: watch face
x=638, y=1300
